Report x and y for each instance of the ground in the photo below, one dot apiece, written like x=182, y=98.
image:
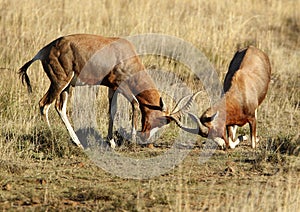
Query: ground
x=241, y=179
x=41, y=169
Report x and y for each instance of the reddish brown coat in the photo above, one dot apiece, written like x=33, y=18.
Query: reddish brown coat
x=245, y=85
x=91, y=59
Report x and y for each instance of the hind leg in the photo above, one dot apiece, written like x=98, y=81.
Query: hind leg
x=112, y=100
x=231, y=132
x=46, y=102
x=44, y=112
x=135, y=108
x=252, y=125
x=61, y=108
x=59, y=92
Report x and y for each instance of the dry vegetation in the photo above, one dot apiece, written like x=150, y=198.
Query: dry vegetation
x=42, y=170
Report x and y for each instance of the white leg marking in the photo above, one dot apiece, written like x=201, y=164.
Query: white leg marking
x=112, y=143
x=64, y=118
x=256, y=139
x=234, y=128
x=253, y=143
x=253, y=137
x=233, y=144
x=133, y=134
x=46, y=110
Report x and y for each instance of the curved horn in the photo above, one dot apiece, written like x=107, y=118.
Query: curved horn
x=200, y=130
x=177, y=112
x=162, y=105
x=188, y=105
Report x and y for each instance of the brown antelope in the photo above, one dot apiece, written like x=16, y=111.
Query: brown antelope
x=245, y=87
x=83, y=59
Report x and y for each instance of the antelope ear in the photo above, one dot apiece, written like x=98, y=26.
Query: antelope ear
x=164, y=120
x=162, y=105
x=209, y=119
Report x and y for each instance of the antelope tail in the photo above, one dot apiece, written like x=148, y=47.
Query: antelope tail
x=23, y=74
x=23, y=70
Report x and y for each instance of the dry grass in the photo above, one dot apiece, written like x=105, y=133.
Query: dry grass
x=41, y=169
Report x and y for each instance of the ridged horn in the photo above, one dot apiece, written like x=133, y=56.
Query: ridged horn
x=177, y=113
x=200, y=130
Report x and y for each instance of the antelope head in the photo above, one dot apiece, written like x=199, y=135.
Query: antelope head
x=155, y=117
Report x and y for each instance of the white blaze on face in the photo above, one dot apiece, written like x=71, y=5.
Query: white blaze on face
x=220, y=142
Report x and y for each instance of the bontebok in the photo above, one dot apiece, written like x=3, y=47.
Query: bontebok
x=82, y=59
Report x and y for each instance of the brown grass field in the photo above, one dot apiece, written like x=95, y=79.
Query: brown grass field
x=41, y=169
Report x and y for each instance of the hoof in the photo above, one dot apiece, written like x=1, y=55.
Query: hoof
x=112, y=143
x=80, y=146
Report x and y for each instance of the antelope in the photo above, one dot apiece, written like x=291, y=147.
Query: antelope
x=84, y=59
x=245, y=87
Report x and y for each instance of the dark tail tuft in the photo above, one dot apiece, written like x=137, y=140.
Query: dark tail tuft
x=24, y=76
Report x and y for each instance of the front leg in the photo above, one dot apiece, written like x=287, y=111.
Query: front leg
x=232, y=139
x=220, y=138
x=221, y=142
x=60, y=106
x=224, y=142
x=231, y=132
x=135, y=108
x=252, y=124
x=112, y=100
